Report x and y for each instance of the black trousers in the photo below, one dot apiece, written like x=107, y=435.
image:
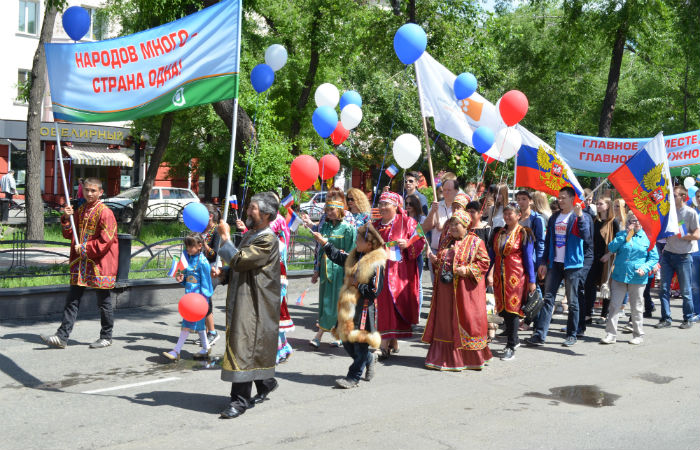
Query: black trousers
x=512, y=323
x=582, y=300
x=70, y=312
x=240, y=392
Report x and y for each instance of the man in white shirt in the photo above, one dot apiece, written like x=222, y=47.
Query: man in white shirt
x=438, y=215
x=8, y=185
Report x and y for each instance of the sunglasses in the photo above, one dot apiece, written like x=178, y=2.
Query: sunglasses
x=350, y=199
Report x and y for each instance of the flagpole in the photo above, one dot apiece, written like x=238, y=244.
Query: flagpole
x=65, y=186
x=425, y=134
x=234, y=124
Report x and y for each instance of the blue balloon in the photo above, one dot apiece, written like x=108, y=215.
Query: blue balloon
x=76, y=22
x=196, y=217
x=482, y=139
x=350, y=98
x=465, y=85
x=261, y=77
x=409, y=43
x=325, y=120
x=691, y=194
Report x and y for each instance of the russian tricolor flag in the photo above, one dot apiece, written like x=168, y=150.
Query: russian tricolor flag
x=233, y=201
x=391, y=171
x=644, y=182
x=293, y=221
x=682, y=230
x=288, y=201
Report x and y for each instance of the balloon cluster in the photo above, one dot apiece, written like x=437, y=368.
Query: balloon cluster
x=76, y=22
x=263, y=75
x=305, y=170
x=325, y=119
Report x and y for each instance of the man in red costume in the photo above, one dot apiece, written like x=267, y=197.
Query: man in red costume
x=93, y=263
x=398, y=304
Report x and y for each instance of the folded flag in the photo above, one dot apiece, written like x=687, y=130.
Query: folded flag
x=288, y=201
x=178, y=265
x=293, y=220
x=300, y=299
x=394, y=251
x=233, y=201
x=419, y=231
x=391, y=171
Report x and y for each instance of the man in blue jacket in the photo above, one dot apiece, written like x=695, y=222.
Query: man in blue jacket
x=562, y=260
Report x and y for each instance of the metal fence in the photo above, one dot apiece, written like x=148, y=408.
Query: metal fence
x=38, y=258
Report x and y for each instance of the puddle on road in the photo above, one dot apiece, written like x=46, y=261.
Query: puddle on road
x=656, y=378
x=584, y=395
x=151, y=369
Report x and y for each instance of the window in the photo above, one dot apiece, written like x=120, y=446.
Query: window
x=154, y=195
x=22, y=86
x=28, y=16
x=98, y=24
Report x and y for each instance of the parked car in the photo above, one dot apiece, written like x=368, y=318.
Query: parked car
x=163, y=203
x=314, y=207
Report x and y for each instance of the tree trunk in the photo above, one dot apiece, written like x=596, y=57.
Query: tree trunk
x=245, y=132
x=156, y=158
x=309, y=80
x=34, y=202
x=685, y=97
x=412, y=11
x=606, y=114
x=208, y=175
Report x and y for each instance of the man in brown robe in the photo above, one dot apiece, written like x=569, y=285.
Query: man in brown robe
x=93, y=263
x=252, y=306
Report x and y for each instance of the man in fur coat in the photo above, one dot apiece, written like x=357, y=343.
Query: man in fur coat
x=252, y=306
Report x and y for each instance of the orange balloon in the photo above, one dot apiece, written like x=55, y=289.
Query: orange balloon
x=193, y=307
x=304, y=171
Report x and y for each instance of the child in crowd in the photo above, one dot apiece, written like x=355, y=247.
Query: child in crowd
x=196, y=278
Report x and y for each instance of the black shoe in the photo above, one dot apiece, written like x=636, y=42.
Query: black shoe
x=533, y=342
x=569, y=341
x=231, y=412
x=664, y=323
x=647, y=314
x=686, y=324
x=371, y=368
x=508, y=354
x=346, y=383
x=261, y=397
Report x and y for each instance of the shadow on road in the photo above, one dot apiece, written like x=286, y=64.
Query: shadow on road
x=204, y=403
x=305, y=378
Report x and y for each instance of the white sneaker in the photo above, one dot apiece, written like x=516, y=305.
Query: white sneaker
x=609, y=339
x=636, y=340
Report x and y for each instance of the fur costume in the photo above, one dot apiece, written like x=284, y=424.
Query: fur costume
x=349, y=296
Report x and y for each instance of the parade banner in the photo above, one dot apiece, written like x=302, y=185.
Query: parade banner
x=596, y=156
x=185, y=63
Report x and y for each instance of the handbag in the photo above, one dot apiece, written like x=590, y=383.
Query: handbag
x=533, y=304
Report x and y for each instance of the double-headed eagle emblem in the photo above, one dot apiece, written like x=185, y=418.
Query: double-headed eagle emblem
x=651, y=196
x=553, y=172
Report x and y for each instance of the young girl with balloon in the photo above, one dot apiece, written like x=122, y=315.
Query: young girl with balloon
x=197, y=279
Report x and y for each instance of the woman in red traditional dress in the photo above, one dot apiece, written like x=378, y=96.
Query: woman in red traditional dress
x=513, y=251
x=457, y=327
x=398, y=304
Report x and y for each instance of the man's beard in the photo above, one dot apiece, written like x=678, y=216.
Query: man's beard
x=250, y=223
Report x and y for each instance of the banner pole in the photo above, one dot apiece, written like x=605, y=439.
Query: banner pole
x=63, y=177
x=425, y=135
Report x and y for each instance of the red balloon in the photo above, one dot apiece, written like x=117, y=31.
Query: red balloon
x=340, y=134
x=304, y=171
x=513, y=107
x=328, y=166
x=487, y=158
x=193, y=307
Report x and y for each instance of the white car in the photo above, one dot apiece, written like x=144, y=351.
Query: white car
x=163, y=203
x=314, y=207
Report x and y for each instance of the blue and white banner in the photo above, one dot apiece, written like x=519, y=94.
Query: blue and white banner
x=185, y=63
x=596, y=156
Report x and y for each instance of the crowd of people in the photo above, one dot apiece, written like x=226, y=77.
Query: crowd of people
x=369, y=270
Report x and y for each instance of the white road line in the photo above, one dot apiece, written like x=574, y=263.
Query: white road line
x=126, y=386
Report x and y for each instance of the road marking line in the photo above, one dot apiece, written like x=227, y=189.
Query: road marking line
x=126, y=386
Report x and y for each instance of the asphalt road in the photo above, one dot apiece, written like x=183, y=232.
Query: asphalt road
x=590, y=396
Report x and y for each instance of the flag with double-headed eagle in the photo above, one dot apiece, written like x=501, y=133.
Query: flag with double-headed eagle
x=539, y=167
x=644, y=182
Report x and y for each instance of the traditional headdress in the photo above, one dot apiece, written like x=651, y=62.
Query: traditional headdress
x=462, y=199
x=461, y=217
x=391, y=197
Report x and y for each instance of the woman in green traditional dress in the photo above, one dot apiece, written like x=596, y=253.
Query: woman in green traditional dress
x=342, y=235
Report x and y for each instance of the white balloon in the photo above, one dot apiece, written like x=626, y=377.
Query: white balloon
x=688, y=182
x=327, y=95
x=407, y=150
x=276, y=56
x=507, y=143
x=351, y=116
